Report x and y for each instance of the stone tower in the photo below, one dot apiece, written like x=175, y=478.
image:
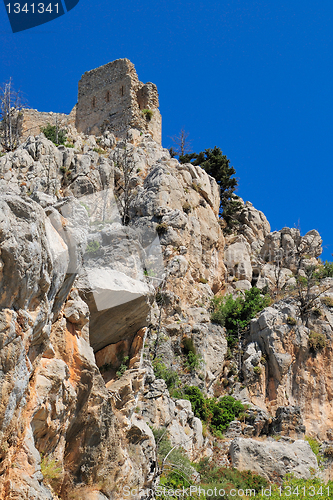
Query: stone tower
x=112, y=98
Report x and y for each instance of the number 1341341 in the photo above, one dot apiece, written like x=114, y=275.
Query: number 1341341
x=33, y=8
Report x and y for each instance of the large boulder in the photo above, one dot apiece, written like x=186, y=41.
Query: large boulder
x=273, y=459
x=118, y=305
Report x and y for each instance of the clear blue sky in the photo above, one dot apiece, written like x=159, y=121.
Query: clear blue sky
x=252, y=77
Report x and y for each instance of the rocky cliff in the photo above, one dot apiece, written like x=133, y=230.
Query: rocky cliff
x=92, y=309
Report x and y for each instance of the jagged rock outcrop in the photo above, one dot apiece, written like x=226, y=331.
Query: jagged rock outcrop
x=254, y=256
x=53, y=396
x=294, y=372
x=55, y=401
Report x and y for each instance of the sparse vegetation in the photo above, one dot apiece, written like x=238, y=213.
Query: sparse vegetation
x=291, y=321
x=236, y=314
x=123, y=367
x=50, y=469
x=92, y=247
x=227, y=479
x=174, y=468
x=100, y=151
x=327, y=270
x=11, y=105
x=162, y=228
x=187, y=207
x=327, y=301
x=257, y=370
x=315, y=447
x=193, y=360
x=148, y=114
x=203, y=281
x=316, y=312
x=317, y=341
x=54, y=134
x=167, y=374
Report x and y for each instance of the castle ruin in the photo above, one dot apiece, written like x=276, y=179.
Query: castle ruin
x=112, y=98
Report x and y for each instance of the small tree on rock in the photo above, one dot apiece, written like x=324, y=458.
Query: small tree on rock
x=182, y=144
x=11, y=103
x=126, y=163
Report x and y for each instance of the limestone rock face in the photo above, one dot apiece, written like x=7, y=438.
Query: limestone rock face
x=283, y=340
x=288, y=422
x=53, y=396
x=267, y=260
x=106, y=285
x=254, y=225
x=273, y=459
x=74, y=285
x=183, y=428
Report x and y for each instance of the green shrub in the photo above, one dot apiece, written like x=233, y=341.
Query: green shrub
x=169, y=376
x=123, y=367
x=192, y=358
x=327, y=270
x=198, y=402
x=148, y=113
x=217, y=413
x=291, y=320
x=50, y=469
x=237, y=313
x=50, y=132
x=69, y=145
x=92, y=246
x=229, y=478
x=162, y=228
x=317, y=341
x=257, y=370
x=99, y=150
x=193, y=361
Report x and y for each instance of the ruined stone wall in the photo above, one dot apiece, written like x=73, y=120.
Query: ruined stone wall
x=33, y=121
x=112, y=97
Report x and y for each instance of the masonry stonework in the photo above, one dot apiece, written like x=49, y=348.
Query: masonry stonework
x=112, y=98
x=33, y=121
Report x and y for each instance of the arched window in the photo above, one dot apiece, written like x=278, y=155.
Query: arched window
x=108, y=96
x=122, y=90
x=93, y=101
